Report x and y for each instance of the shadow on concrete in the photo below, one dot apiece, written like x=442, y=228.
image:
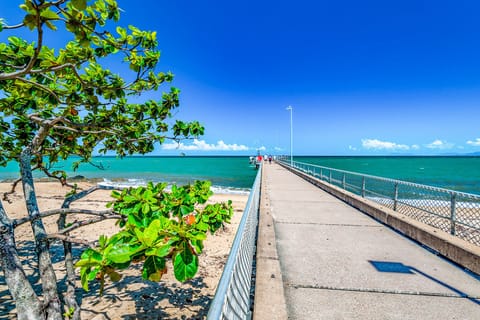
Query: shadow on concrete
x=398, y=267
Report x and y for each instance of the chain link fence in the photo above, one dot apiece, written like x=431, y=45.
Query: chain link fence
x=232, y=298
x=454, y=212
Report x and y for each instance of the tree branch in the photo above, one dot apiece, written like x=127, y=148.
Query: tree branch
x=82, y=223
x=41, y=87
x=104, y=213
x=12, y=190
x=17, y=26
x=60, y=67
x=70, y=239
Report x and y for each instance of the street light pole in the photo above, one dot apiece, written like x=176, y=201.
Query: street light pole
x=291, y=135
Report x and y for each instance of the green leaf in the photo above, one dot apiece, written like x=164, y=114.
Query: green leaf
x=79, y=4
x=92, y=255
x=114, y=276
x=153, y=268
x=121, y=252
x=150, y=234
x=185, y=210
x=185, y=264
x=49, y=14
x=160, y=251
x=84, y=278
x=30, y=21
x=51, y=25
x=145, y=208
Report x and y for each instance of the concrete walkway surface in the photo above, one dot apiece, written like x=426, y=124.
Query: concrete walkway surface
x=337, y=263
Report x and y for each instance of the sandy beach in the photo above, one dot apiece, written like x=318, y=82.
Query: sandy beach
x=130, y=298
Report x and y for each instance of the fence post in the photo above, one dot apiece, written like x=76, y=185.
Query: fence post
x=343, y=181
x=453, y=214
x=330, y=177
x=363, y=187
x=321, y=174
x=395, y=197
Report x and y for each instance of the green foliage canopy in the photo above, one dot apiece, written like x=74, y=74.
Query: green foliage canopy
x=63, y=101
x=157, y=225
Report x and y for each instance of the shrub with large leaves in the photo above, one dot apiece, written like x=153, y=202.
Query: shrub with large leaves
x=156, y=225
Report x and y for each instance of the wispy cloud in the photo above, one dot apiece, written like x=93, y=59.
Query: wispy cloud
x=383, y=145
x=262, y=148
x=278, y=149
x=201, y=145
x=440, y=144
x=475, y=143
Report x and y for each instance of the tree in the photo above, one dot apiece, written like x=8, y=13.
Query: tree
x=58, y=103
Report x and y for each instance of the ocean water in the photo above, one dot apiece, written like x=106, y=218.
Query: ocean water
x=227, y=174
x=235, y=174
x=453, y=172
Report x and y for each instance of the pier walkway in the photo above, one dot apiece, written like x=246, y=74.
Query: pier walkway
x=319, y=258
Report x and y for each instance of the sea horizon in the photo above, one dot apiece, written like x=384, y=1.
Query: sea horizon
x=234, y=173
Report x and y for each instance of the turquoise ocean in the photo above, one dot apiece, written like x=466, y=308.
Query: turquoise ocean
x=227, y=174
x=450, y=172
x=235, y=174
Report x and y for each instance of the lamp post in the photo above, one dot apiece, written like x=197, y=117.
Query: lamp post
x=291, y=135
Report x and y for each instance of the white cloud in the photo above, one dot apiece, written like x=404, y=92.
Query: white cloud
x=262, y=148
x=352, y=148
x=415, y=146
x=278, y=149
x=439, y=144
x=475, y=143
x=201, y=145
x=379, y=145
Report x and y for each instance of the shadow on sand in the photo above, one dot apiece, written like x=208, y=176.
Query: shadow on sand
x=152, y=300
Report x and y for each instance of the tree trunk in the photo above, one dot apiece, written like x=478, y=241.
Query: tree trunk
x=27, y=303
x=70, y=300
x=52, y=302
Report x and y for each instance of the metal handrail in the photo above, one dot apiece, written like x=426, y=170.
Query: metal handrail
x=232, y=297
x=451, y=211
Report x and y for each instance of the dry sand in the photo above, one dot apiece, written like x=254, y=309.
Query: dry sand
x=130, y=298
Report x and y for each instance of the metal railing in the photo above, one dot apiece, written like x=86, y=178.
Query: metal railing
x=232, y=298
x=457, y=213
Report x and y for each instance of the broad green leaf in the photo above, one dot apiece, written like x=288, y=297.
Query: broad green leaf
x=120, y=253
x=129, y=199
x=160, y=251
x=30, y=21
x=79, y=4
x=184, y=210
x=84, y=278
x=49, y=14
x=185, y=264
x=150, y=234
x=145, y=208
x=153, y=268
x=92, y=255
x=134, y=221
x=198, y=245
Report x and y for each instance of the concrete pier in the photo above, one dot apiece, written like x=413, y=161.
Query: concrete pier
x=319, y=258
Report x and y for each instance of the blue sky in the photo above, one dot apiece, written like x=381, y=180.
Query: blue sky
x=363, y=77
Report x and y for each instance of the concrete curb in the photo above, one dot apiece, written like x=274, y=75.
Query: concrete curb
x=451, y=247
x=269, y=292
